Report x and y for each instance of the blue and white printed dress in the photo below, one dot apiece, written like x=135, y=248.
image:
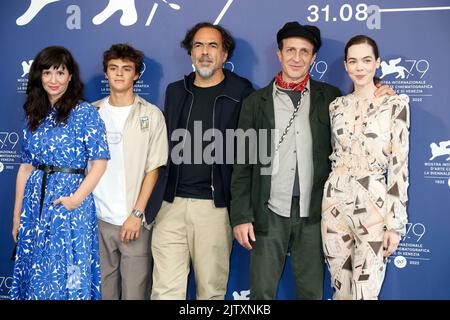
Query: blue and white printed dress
x=57, y=254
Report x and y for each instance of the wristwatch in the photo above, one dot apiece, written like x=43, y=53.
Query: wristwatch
x=137, y=213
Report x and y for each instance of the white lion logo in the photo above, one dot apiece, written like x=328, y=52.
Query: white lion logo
x=392, y=67
x=128, y=8
x=35, y=7
x=440, y=150
x=241, y=296
x=26, y=65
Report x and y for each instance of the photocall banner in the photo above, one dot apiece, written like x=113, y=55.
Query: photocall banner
x=414, y=46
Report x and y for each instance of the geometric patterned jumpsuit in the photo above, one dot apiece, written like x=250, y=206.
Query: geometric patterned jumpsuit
x=366, y=191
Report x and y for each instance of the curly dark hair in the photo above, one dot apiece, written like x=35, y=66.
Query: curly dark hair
x=125, y=52
x=228, y=42
x=37, y=104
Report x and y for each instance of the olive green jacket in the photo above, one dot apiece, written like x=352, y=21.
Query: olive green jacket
x=250, y=190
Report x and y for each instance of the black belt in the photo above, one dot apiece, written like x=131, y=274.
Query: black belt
x=49, y=170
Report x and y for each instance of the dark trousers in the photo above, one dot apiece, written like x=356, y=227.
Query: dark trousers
x=268, y=256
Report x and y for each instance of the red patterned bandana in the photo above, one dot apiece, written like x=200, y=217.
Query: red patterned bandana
x=296, y=86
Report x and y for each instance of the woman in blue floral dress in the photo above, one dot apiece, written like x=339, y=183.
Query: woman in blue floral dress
x=54, y=221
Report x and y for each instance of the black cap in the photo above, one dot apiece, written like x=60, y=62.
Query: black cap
x=295, y=29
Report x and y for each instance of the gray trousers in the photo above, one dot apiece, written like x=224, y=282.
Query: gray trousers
x=126, y=269
x=268, y=256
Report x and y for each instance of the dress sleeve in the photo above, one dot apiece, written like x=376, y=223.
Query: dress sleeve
x=397, y=174
x=335, y=151
x=94, y=135
x=25, y=152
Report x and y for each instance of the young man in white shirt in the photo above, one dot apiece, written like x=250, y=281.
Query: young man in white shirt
x=137, y=138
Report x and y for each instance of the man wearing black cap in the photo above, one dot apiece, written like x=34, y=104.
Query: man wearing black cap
x=280, y=212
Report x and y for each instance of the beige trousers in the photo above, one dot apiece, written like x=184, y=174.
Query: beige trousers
x=126, y=269
x=191, y=230
x=353, y=212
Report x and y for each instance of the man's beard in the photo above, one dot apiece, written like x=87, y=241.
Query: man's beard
x=206, y=72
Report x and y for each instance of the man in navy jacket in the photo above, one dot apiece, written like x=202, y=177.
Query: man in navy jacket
x=192, y=196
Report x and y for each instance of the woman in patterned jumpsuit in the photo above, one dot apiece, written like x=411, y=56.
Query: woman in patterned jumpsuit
x=365, y=196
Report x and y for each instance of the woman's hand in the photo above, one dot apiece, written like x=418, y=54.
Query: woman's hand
x=15, y=228
x=391, y=240
x=70, y=203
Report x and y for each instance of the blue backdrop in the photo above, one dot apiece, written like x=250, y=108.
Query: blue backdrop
x=414, y=44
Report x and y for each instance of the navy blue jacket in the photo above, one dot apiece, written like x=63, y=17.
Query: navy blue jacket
x=227, y=108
